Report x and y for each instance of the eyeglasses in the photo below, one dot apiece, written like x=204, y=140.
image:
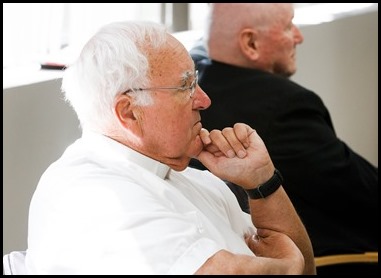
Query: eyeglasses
x=191, y=87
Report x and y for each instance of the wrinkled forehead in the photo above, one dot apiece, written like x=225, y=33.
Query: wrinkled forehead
x=170, y=62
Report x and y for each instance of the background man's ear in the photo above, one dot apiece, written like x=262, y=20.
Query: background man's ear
x=248, y=43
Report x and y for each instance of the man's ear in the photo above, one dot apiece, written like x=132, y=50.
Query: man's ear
x=248, y=43
x=124, y=110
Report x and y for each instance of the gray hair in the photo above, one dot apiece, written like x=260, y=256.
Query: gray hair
x=113, y=61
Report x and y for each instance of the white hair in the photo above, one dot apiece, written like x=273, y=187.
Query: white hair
x=113, y=61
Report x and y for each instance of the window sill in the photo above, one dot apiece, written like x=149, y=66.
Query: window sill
x=22, y=76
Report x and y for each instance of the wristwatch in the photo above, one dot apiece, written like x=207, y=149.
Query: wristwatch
x=265, y=189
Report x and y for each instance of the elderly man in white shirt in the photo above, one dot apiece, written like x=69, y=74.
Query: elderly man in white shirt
x=121, y=199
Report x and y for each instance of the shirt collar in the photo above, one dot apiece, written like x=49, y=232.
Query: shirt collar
x=110, y=148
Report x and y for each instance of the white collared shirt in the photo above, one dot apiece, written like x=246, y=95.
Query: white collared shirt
x=103, y=208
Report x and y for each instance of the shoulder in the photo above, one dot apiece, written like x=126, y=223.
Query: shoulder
x=292, y=89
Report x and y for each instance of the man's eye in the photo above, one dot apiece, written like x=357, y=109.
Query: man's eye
x=185, y=86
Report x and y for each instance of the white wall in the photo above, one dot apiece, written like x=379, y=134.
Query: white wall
x=37, y=126
x=338, y=60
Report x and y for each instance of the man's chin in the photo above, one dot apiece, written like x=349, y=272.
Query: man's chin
x=196, y=147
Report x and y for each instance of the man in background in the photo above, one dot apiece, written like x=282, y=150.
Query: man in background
x=251, y=55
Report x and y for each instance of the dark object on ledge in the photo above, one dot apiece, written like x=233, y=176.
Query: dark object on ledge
x=53, y=66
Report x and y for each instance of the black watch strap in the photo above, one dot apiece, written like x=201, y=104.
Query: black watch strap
x=265, y=189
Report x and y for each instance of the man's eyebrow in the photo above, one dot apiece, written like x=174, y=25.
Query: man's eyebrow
x=187, y=75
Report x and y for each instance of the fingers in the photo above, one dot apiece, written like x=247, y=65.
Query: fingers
x=243, y=132
x=204, y=135
x=230, y=141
